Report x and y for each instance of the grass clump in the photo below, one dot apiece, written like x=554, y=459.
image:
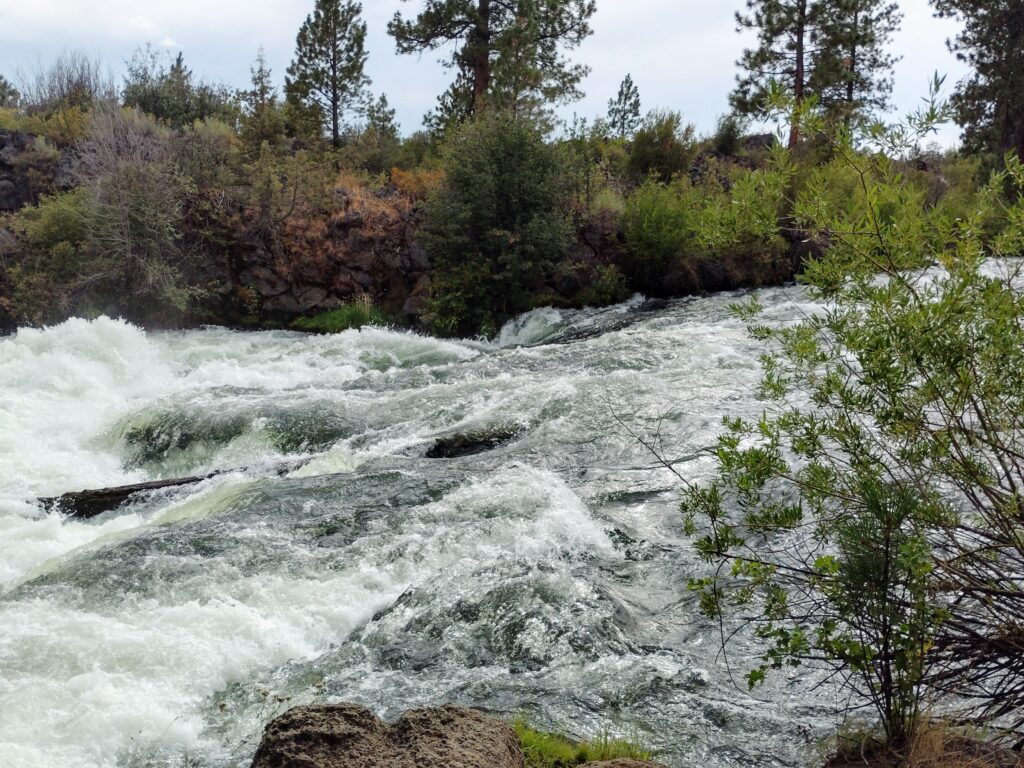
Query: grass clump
x=355, y=314
x=550, y=750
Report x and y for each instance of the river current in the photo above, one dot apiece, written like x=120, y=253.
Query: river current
x=546, y=577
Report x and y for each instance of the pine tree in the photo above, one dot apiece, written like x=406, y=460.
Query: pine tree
x=380, y=120
x=624, y=109
x=9, y=95
x=853, y=72
x=454, y=106
x=330, y=58
x=788, y=45
x=990, y=102
x=832, y=50
x=262, y=119
x=507, y=53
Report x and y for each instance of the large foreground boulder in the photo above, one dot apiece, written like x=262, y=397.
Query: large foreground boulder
x=349, y=736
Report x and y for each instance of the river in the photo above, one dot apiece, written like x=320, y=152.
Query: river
x=545, y=577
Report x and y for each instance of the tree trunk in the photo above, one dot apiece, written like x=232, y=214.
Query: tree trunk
x=88, y=504
x=851, y=73
x=800, y=34
x=335, y=122
x=481, y=55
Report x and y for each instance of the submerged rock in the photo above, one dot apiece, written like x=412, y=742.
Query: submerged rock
x=472, y=443
x=350, y=736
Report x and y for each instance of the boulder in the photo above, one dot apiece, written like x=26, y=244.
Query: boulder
x=310, y=298
x=10, y=200
x=472, y=443
x=350, y=736
x=265, y=282
x=416, y=304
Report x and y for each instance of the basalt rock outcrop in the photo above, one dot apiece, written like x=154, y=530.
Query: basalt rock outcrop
x=349, y=736
x=315, y=262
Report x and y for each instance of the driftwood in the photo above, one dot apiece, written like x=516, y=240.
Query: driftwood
x=88, y=504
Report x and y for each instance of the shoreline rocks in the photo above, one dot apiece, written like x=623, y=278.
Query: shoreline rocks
x=351, y=736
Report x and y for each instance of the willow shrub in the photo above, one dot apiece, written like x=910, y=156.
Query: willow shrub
x=870, y=521
x=728, y=210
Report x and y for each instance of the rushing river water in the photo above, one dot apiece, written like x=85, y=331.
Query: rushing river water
x=545, y=577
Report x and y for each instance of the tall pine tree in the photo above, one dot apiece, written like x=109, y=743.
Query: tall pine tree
x=788, y=33
x=853, y=72
x=834, y=50
x=624, y=109
x=990, y=102
x=262, y=119
x=328, y=73
x=508, y=53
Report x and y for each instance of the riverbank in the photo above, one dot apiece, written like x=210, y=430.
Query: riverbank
x=317, y=242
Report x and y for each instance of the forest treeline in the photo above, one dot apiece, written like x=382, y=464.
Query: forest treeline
x=142, y=196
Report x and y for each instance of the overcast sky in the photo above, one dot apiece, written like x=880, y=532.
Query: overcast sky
x=681, y=53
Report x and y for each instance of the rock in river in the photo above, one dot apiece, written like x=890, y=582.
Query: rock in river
x=349, y=736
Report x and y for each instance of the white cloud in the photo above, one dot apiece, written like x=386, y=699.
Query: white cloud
x=169, y=42
x=142, y=23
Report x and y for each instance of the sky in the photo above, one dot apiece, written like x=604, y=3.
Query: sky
x=681, y=53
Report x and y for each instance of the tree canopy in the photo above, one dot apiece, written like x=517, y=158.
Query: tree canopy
x=509, y=54
x=624, y=109
x=328, y=72
x=990, y=101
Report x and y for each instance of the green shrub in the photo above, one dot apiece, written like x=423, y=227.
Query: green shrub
x=663, y=148
x=166, y=91
x=666, y=225
x=549, y=750
x=660, y=227
x=57, y=219
x=728, y=134
x=498, y=225
x=868, y=520
x=353, y=315
x=609, y=287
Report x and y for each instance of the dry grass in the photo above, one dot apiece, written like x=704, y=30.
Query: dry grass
x=936, y=746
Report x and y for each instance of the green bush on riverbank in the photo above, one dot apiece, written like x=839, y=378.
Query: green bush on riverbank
x=354, y=315
x=550, y=750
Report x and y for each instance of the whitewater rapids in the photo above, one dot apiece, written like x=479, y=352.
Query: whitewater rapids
x=546, y=577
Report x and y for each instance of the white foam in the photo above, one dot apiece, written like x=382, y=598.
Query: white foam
x=531, y=328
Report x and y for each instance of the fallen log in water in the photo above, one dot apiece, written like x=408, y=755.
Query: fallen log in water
x=88, y=504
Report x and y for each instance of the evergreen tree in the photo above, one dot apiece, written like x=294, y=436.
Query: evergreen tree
x=380, y=120
x=990, y=102
x=9, y=95
x=624, y=109
x=330, y=58
x=853, y=73
x=509, y=53
x=454, y=106
x=787, y=46
x=832, y=50
x=262, y=119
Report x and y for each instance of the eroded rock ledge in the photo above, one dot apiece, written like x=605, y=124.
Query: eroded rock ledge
x=350, y=736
